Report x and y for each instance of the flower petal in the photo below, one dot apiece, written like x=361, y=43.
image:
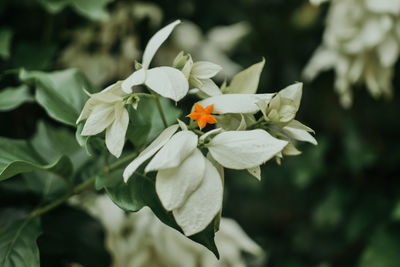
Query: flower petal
x=244, y=149
x=299, y=125
x=293, y=92
x=87, y=109
x=168, y=82
x=115, y=133
x=202, y=205
x=210, y=119
x=246, y=81
x=174, y=152
x=174, y=185
x=208, y=87
x=198, y=108
x=99, y=119
x=156, y=41
x=388, y=51
x=136, y=78
x=235, y=103
x=300, y=134
x=256, y=172
x=159, y=142
x=205, y=69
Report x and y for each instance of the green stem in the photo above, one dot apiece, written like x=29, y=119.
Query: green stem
x=160, y=109
x=81, y=187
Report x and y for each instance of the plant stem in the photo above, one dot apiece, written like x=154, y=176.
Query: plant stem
x=256, y=124
x=160, y=108
x=81, y=187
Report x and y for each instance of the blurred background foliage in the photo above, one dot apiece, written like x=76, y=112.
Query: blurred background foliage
x=338, y=204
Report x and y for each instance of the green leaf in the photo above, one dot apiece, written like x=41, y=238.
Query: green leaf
x=60, y=93
x=92, y=9
x=34, y=57
x=13, y=97
x=128, y=196
x=146, y=123
x=140, y=126
x=5, y=42
x=52, y=144
x=18, y=244
x=246, y=81
x=54, y=6
x=139, y=192
x=383, y=248
x=18, y=156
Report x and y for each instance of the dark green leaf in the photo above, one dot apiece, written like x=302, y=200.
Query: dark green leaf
x=18, y=244
x=13, y=97
x=52, y=143
x=146, y=123
x=5, y=42
x=92, y=9
x=60, y=93
x=18, y=156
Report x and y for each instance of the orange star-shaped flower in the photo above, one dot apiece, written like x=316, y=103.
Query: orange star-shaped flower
x=203, y=115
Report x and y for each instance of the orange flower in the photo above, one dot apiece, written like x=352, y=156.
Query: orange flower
x=203, y=115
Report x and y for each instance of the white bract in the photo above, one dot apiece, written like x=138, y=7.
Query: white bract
x=166, y=81
x=361, y=43
x=106, y=111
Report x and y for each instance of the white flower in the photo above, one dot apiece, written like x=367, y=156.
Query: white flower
x=141, y=240
x=187, y=183
x=362, y=44
x=105, y=111
x=166, y=81
x=281, y=111
x=199, y=74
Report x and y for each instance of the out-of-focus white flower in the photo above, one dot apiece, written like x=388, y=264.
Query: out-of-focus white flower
x=104, y=52
x=215, y=45
x=318, y=2
x=167, y=81
x=106, y=111
x=362, y=44
x=141, y=240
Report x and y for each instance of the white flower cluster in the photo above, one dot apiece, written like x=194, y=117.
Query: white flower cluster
x=141, y=240
x=189, y=162
x=361, y=43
